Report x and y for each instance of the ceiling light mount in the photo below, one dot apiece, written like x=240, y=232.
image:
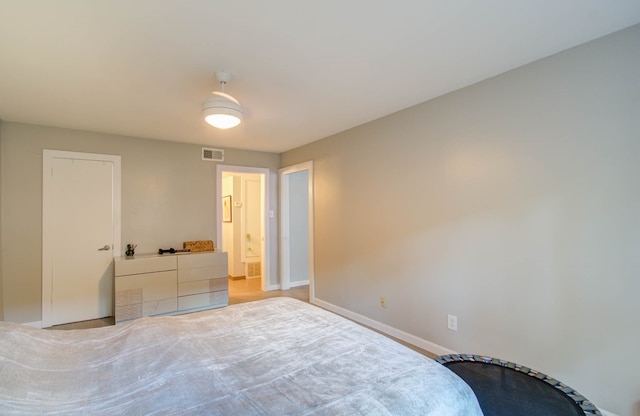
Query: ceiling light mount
x=222, y=110
x=223, y=77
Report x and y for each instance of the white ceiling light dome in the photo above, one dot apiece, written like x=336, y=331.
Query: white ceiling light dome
x=222, y=110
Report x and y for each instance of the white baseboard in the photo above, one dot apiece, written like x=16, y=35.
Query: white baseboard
x=36, y=324
x=292, y=284
x=396, y=333
x=384, y=328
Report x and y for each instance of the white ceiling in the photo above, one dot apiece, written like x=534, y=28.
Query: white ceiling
x=302, y=70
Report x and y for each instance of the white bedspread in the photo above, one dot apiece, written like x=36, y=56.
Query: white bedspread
x=274, y=357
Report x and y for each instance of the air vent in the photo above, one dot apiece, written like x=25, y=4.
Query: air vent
x=253, y=268
x=213, y=155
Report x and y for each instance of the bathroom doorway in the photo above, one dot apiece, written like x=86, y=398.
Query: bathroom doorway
x=242, y=222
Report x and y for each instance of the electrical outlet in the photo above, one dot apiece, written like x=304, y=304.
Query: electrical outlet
x=452, y=322
x=383, y=302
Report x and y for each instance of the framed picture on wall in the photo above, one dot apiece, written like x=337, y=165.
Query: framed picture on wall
x=226, y=208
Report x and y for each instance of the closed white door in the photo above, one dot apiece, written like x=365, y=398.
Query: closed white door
x=80, y=235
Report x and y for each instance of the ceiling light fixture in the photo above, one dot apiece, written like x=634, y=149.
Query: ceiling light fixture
x=222, y=110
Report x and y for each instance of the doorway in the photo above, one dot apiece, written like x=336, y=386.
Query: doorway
x=80, y=234
x=244, y=233
x=296, y=227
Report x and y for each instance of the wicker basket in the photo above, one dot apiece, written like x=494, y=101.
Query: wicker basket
x=201, y=245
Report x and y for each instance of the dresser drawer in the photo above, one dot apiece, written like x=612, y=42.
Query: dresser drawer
x=210, y=300
x=152, y=286
x=202, y=286
x=203, y=273
x=159, y=307
x=197, y=260
x=125, y=312
x=134, y=265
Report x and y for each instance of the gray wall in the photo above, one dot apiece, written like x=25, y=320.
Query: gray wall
x=512, y=204
x=168, y=196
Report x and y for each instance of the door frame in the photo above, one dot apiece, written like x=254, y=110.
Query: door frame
x=285, y=247
x=265, y=210
x=47, y=221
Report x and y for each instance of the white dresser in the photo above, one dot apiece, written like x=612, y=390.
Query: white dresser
x=169, y=284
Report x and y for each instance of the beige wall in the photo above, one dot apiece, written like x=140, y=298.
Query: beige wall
x=168, y=196
x=512, y=204
x=231, y=230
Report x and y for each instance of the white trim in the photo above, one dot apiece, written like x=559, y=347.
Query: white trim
x=285, y=230
x=386, y=329
x=285, y=253
x=396, y=333
x=265, y=207
x=36, y=324
x=47, y=222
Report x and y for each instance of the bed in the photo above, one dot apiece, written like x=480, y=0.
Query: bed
x=278, y=356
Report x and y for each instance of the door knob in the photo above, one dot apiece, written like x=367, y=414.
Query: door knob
x=105, y=248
